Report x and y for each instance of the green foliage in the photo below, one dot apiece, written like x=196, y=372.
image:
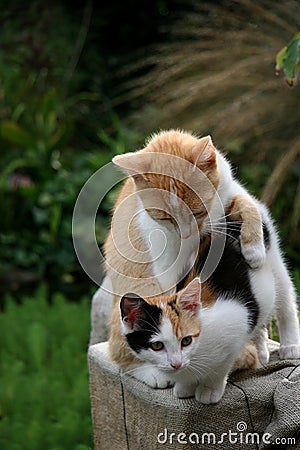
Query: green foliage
x=51, y=140
x=288, y=58
x=44, y=396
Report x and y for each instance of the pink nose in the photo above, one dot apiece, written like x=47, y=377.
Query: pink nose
x=176, y=364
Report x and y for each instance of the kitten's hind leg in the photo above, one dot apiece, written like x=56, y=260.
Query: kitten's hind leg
x=261, y=342
x=286, y=311
x=247, y=359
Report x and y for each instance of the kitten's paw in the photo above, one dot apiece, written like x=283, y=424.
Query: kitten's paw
x=154, y=378
x=209, y=395
x=289, y=351
x=184, y=391
x=255, y=255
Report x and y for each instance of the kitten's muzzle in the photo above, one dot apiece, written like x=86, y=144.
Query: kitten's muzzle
x=176, y=364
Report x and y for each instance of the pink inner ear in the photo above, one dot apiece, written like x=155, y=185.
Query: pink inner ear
x=190, y=296
x=133, y=315
x=131, y=309
x=204, y=152
x=191, y=306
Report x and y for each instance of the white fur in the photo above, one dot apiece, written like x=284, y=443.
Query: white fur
x=169, y=254
x=285, y=296
x=285, y=300
x=215, y=352
x=151, y=375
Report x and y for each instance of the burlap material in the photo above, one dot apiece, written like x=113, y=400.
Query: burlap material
x=102, y=304
x=258, y=408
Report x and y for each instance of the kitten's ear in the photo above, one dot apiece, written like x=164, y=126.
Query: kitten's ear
x=133, y=164
x=137, y=314
x=190, y=297
x=203, y=153
x=132, y=309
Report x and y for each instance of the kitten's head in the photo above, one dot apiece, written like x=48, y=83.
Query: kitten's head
x=163, y=330
x=183, y=171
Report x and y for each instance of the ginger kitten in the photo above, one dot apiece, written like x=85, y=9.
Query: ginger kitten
x=178, y=189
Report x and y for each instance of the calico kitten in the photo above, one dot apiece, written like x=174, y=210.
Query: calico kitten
x=197, y=336
x=175, y=189
x=159, y=338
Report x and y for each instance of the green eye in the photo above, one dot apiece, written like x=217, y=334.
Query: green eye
x=186, y=341
x=156, y=346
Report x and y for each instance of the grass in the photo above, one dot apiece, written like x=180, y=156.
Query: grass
x=44, y=396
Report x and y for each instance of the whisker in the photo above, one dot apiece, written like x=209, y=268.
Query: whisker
x=225, y=234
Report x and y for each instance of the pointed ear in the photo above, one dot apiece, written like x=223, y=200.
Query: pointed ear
x=203, y=153
x=133, y=164
x=138, y=314
x=190, y=297
x=132, y=306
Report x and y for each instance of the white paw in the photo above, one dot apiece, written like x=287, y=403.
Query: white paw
x=289, y=351
x=184, y=391
x=255, y=255
x=208, y=395
x=154, y=378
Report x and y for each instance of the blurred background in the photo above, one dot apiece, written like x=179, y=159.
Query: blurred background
x=79, y=83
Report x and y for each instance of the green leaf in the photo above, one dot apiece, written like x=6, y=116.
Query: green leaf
x=60, y=138
x=280, y=60
x=55, y=220
x=288, y=58
x=15, y=134
x=291, y=60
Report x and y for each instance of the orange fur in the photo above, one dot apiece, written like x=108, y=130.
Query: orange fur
x=130, y=260
x=244, y=210
x=248, y=359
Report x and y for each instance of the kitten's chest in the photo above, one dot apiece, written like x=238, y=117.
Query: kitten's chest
x=170, y=256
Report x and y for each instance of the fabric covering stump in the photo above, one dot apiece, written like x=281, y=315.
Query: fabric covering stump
x=128, y=415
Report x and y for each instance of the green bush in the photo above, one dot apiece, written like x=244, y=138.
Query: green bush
x=51, y=140
x=44, y=395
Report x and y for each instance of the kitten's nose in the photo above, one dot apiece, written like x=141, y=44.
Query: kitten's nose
x=176, y=364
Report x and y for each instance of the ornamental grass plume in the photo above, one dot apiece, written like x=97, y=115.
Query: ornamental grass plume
x=216, y=74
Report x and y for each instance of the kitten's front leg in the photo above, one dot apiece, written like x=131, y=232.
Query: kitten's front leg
x=251, y=237
x=211, y=394
x=151, y=376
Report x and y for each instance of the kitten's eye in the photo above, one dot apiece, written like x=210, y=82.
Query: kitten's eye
x=186, y=341
x=156, y=346
x=200, y=214
x=158, y=214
